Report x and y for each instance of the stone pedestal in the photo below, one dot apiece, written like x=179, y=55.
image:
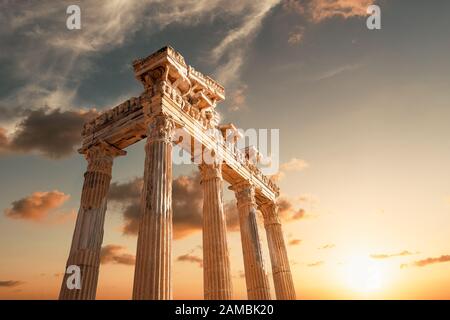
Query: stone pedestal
x=153, y=271
x=216, y=262
x=282, y=278
x=88, y=235
x=255, y=273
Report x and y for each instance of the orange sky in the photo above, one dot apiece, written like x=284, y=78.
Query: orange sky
x=364, y=138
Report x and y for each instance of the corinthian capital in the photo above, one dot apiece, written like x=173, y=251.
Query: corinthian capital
x=100, y=157
x=160, y=128
x=245, y=193
x=269, y=211
x=210, y=171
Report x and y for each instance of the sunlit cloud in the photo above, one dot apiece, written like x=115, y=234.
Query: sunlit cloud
x=427, y=261
x=294, y=242
x=10, y=283
x=114, y=254
x=37, y=206
x=319, y=10
x=293, y=165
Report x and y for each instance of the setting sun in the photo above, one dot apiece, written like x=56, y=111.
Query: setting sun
x=364, y=275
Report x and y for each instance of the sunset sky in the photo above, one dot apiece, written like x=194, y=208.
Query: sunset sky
x=364, y=120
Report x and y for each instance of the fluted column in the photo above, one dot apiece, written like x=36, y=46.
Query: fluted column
x=255, y=272
x=88, y=235
x=282, y=277
x=153, y=271
x=216, y=260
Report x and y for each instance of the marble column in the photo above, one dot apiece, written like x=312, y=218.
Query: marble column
x=216, y=261
x=153, y=270
x=255, y=272
x=88, y=235
x=282, y=277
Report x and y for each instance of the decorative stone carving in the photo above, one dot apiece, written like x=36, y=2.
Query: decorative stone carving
x=160, y=128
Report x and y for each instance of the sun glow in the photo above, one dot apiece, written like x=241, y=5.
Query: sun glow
x=363, y=274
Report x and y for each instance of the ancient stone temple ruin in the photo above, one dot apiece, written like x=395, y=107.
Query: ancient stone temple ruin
x=177, y=98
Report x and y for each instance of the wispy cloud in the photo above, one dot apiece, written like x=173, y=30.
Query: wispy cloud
x=337, y=71
x=315, y=264
x=391, y=255
x=427, y=261
x=317, y=11
x=234, y=45
x=296, y=35
x=238, y=99
x=10, y=283
x=52, y=62
x=327, y=246
x=293, y=165
x=189, y=257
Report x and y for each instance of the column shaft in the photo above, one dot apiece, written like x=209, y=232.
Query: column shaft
x=216, y=260
x=282, y=277
x=255, y=273
x=152, y=278
x=88, y=235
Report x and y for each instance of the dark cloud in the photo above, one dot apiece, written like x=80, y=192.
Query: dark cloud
x=37, y=206
x=113, y=254
x=128, y=195
x=7, y=114
x=391, y=255
x=3, y=141
x=187, y=202
x=10, y=283
x=294, y=242
x=189, y=257
x=232, y=215
x=52, y=133
x=428, y=261
x=187, y=197
x=127, y=191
